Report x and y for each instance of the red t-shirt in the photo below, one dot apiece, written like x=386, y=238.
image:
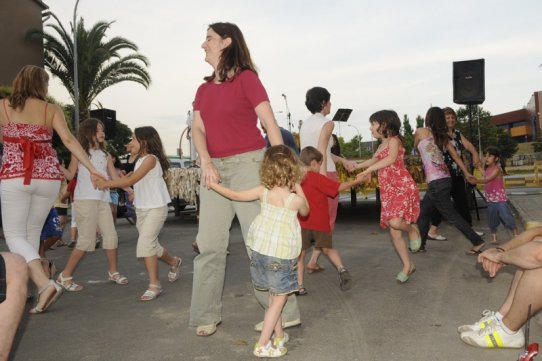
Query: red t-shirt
x=318, y=189
x=227, y=111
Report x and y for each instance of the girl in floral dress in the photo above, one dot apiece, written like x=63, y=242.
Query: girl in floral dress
x=398, y=192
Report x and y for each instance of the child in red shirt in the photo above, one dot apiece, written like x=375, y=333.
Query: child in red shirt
x=315, y=227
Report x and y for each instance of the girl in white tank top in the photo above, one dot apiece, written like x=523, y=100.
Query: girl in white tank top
x=92, y=206
x=151, y=201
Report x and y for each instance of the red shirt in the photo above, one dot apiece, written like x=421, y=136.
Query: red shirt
x=318, y=189
x=227, y=111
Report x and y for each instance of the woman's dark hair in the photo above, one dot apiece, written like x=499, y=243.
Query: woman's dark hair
x=316, y=98
x=150, y=142
x=389, y=123
x=436, y=121
x=87, y=131
x=235, y=57
x=494, y=151
x=336, y=147
x=30, y=82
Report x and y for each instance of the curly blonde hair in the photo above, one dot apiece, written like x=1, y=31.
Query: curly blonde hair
x=280, y=167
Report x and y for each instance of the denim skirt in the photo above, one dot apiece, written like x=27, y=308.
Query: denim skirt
x=276, y=275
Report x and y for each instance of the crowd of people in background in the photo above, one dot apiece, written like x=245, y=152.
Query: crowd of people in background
x=284, y=196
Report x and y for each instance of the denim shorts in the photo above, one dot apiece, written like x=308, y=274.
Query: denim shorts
x=276, y=275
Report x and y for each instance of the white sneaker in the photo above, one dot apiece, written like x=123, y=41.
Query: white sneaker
x=487, y=317
x=479, y=233
x=268, y=350
x=281, y=341
x=494, y=336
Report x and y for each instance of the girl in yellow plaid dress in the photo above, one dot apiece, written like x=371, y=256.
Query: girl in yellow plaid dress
x=274, y=239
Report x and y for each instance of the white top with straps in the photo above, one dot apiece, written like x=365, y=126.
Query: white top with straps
x=84, y=190
x=151, y=190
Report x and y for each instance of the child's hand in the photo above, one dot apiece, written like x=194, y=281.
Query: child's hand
x=100, y=183
x=95, y=177
x=364, y=177
x=471, y=179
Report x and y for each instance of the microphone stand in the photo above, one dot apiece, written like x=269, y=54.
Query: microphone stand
x=288, y=115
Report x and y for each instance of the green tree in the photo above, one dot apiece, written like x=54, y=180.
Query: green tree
x=420, y=122
x=489, y=133
x=116, y=145
x=100, y=63
x=408, y=135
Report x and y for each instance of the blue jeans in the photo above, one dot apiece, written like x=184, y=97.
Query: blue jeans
x=437, y=197
x=500, y=212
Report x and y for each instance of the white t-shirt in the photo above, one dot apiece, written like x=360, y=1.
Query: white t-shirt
x=84, y=190
x=309, y=135
x=151, y=190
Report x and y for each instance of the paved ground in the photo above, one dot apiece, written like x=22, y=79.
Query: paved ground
x=377, y=320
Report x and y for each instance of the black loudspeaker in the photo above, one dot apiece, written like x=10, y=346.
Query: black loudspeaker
x=109, y=118
x=469, y=82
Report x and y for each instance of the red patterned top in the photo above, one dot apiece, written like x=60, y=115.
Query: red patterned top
x=28, y=153
x=399, y=194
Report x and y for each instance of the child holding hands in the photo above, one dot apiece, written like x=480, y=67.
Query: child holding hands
x=316, y=226
x=151, y=201
x=274, y=239
x=497, y=201
x=399, y=193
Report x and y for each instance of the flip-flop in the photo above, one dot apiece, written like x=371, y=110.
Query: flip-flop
x=472, y=252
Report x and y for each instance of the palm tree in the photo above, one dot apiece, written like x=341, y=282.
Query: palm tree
x=99, y=60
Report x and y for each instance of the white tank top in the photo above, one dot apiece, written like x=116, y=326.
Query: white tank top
x=84, y=190
x=151, y=190
x=310, y=134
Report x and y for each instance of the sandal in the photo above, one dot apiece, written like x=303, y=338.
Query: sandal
x=301, y=291
x=68, y=286
x=475, y=251
x=149, y=294
x=175, y=270
x=207, y=330
x=117, y=278
x=51, y=298
x=316, y=269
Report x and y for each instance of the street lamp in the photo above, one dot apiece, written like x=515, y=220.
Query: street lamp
x=75, y=71
x=359, y=140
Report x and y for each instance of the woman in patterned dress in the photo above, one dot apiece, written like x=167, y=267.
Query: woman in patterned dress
x=398, y=191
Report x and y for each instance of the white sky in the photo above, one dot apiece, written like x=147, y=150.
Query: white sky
x=370, y=55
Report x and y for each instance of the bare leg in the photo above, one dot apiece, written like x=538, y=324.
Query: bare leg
x=75, y=257
x=151, y=264
x=301, y=267
x=527, y=291
x=313, y=262
x=401, y=248
x=12, y=308
x=334, y=257
x=272, y=320
x=111, y=255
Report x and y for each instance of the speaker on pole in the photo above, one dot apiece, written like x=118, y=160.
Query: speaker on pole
x=469, y=82
x=109, y=119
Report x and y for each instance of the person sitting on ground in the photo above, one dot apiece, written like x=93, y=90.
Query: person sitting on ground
x=503, y=329
x=13, y=288
x=316, y=226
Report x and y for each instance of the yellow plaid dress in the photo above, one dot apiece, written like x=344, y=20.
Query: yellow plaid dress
x=275, y=232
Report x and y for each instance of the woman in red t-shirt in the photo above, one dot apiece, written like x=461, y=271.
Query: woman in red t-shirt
x=231, y=147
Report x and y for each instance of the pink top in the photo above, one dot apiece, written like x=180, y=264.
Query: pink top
x=433, y=160
x=228, y=114
x=494, y=189
x=28, y=152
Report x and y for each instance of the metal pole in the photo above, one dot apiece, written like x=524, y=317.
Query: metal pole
x=75, y=71
x=359, y=139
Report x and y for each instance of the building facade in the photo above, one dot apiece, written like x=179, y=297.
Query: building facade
x=16, y=19
x=524, y=124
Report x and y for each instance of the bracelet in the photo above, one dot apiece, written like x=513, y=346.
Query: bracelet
x=500, y=249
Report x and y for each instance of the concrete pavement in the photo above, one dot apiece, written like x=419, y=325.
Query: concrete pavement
x=377, y=320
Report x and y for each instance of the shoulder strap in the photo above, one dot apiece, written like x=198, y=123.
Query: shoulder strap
x=265, y=192
x=289, y=200
x=5, y=109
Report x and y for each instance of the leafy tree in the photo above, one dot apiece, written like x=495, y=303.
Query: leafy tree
x=99, y=60
x=489, y=133
x=408, y=135
x=420, y=122
x=116, y=145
